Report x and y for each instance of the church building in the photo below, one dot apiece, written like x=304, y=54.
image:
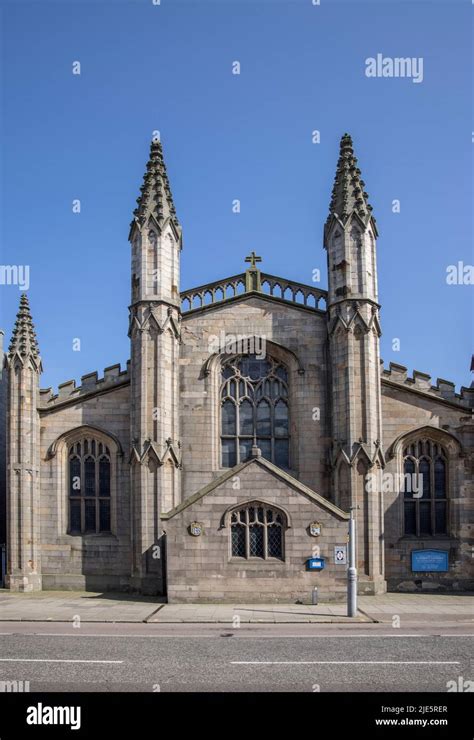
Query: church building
x=224, y=461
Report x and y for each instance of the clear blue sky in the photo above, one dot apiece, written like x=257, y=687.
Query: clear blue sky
x=168, y=67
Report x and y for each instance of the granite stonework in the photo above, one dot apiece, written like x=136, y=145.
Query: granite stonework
x=411, y=412
x=160, y=420
x=202, y=568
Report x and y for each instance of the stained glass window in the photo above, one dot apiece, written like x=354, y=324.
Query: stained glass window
x=257, y=531
x=425, y=489
x=89, y=487
x=254, y=409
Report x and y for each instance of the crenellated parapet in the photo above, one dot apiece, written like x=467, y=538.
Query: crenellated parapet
x=91, y=383
x=444, y=389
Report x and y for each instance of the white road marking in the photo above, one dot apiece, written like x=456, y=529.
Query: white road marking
x=344, y=662
x=54, y=660
x=255, y=635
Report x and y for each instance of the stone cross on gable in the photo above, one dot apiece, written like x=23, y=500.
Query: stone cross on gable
x=252, y=274
x=253, y=259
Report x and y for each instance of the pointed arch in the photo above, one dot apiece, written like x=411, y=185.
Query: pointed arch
x=429, y=466
x=223, y=414
x=450, y=441
x=279, y=351
x=257, y=389
x=85, y=430
x=87, y=465
x=256, y=530
x=224, y=522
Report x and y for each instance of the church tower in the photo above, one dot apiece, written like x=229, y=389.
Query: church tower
x=154, y=331
x=357, y=458
x=23, y=366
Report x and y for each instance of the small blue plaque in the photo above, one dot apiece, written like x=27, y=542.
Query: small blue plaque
x=315, y=563
x=429, y=561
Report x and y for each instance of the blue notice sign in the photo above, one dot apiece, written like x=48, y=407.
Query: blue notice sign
x=315, y=563
x=429, y=561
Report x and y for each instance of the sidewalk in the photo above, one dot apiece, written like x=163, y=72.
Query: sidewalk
x=255, y=613
x=64, y=606
x=416, y=608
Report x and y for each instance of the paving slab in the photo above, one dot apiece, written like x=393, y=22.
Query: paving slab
x=253, y=613
x=60, y=606
x=437, y=609
x=64, y=606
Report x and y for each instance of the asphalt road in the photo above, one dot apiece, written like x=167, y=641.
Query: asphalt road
x=168, y=658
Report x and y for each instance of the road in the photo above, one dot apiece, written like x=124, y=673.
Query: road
x=212, y=657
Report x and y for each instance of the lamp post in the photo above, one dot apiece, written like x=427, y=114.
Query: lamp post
x=352, y=569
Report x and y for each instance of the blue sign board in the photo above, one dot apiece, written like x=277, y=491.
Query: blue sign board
x=315, y=563
x=429, y=561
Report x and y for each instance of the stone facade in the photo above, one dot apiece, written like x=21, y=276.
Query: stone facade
x=201, y=568
x=3, y=442
x=413, y=409
x=155, y=428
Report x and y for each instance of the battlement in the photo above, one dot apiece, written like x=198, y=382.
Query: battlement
x=90, y=383
x=444, y=389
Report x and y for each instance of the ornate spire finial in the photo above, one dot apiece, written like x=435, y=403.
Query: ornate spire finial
x=23, y=341
x=348, y=194
x=156, y=199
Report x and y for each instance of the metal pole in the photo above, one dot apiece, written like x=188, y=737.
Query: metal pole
x=352, y=570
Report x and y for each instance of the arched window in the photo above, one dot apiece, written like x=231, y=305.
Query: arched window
x=257, y=531
x=89, y=487
x=254, y=405
x=425, y=466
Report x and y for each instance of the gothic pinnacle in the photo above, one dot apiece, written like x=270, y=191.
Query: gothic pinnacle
x=155, y=199
x=348, y=194
x=23, y=341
